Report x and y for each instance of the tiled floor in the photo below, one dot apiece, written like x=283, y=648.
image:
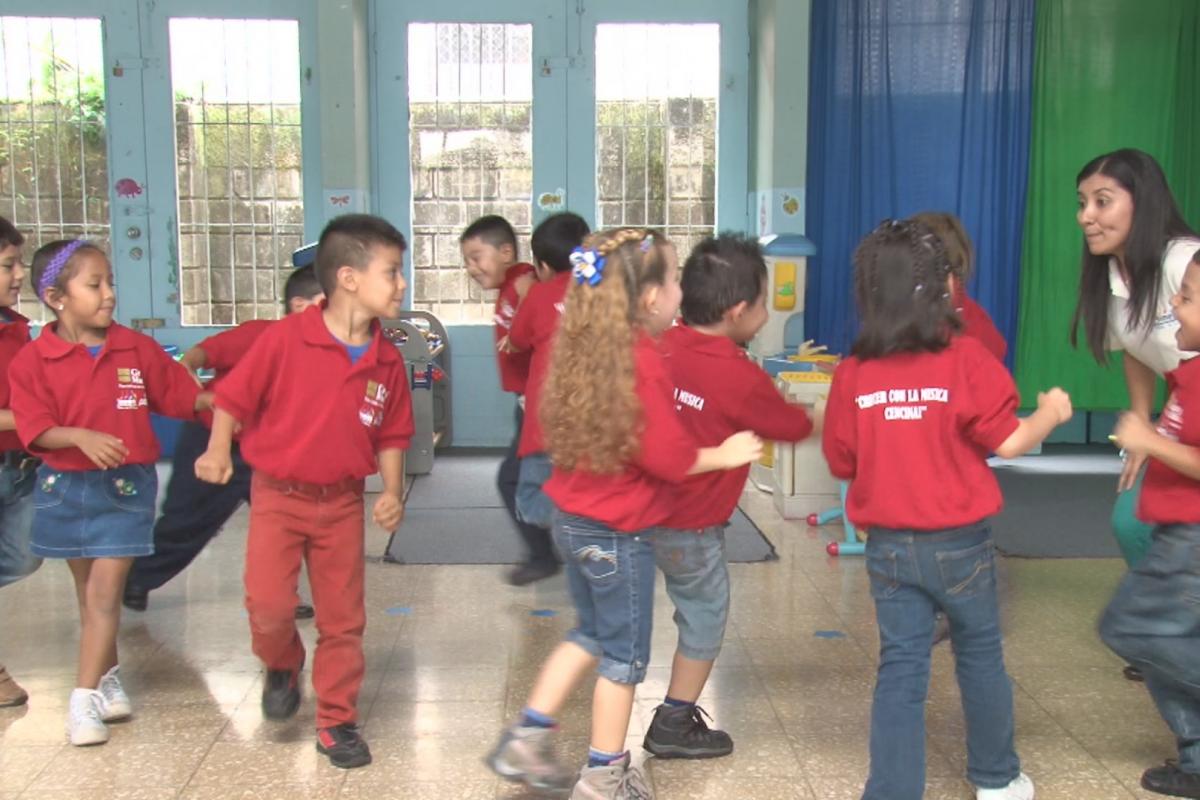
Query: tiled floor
x=452, y=651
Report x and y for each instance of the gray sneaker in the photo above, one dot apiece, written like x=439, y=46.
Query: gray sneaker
x=526, y=755
x=617, y=781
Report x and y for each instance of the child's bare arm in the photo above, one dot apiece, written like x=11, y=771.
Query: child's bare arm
x=215, y=465
x=1054, y=408
x=7, y=421
x=1136, y=435
x=102, y=449
x=389, y=508
x=194, y=359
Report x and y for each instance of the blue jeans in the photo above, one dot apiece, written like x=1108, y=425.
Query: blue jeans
x=16, y=520
x=538, y=541
x=534, y=506
x=193, y=512
x=697, y=577
x=610, y=576
x=1153, y=622
x=913, y=576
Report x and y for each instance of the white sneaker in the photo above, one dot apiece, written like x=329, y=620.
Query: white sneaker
x=114, y=703
x=1020, y=789
x=84, y=725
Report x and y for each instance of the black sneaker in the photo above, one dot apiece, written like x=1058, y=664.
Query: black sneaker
x=681, y=732
x=343, y=745
x=281, y=694
x=135, y=599
x=1169, y=779
x=532, y=571
x=305, y=611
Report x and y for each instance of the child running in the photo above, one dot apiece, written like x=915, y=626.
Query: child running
x=82, y=395
x=718, y=391
x=911, y=418
x=617, y=447
x=1153, y=621
x=325, y=402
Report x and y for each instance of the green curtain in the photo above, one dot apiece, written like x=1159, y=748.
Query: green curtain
x=1107, y=74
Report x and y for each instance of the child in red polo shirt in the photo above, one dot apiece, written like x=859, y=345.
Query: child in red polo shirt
x=718, y=391
x=617, y=447
x=17, y=467
x=533, y=330
x=911, y=418
x=194, y=511
x=489, y=249
x=82, y=395
x=324, y=402
x=960, y=254
x=1153, y=621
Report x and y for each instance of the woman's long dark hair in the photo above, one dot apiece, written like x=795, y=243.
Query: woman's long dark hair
x=1156, y=221
x=901, y=284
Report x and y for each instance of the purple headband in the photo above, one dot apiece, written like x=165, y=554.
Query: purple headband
x=50, y=275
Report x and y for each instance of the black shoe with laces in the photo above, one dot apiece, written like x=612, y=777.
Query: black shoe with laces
x=681, y=732
x=344, y=746
x=281, y=694
x=1170, y=780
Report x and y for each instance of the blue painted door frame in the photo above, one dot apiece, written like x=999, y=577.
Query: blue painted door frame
x=139, y=124
x=564, y=139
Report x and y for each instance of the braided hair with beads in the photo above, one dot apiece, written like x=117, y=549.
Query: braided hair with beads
x=902, y=288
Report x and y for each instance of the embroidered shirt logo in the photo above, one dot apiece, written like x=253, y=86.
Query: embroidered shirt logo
x=374, y=400
x=131, y=389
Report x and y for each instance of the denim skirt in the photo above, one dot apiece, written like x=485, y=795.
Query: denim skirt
x=98, y=513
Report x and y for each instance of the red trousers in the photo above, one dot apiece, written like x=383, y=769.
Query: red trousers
x=323, y=525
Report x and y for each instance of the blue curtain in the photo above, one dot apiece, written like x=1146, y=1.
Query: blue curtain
x=917, y=105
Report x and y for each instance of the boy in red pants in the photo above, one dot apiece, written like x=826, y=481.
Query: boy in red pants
x=324, y=401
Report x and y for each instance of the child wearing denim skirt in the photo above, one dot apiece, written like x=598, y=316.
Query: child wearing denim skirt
x=616, y=445
x=911, y=418
x=82, y=394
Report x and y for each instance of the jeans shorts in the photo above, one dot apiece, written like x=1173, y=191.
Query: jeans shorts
x=610, y=576
x=697, y=575
x=16, y=519
x=94, y=513
x=534, y=506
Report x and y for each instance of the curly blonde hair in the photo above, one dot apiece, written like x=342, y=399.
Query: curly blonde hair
x=957, y=244
x=590, y=414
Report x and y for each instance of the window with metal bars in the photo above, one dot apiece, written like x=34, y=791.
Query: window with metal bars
x=238, y=165
x=53, y=151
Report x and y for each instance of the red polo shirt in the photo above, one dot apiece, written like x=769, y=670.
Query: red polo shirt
x=533, y=330
x=224, y=350
x=514, y=367
x=637, y=497
x=1168, y=497
x=914, y=430
x=14, y=334
x=59, y=384
x=977, y=324
x=310, y=415
x=718, y=392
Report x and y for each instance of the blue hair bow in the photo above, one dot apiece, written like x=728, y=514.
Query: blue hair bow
x=587, y=266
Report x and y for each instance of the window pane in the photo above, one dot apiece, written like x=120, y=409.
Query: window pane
x=53, y=148
x=238, y=165
x=470, y=90
x=656, y=128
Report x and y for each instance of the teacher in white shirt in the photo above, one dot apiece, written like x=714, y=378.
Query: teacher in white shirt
x=1136, y=246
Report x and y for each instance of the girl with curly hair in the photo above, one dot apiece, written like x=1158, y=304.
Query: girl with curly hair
x=610, y=428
